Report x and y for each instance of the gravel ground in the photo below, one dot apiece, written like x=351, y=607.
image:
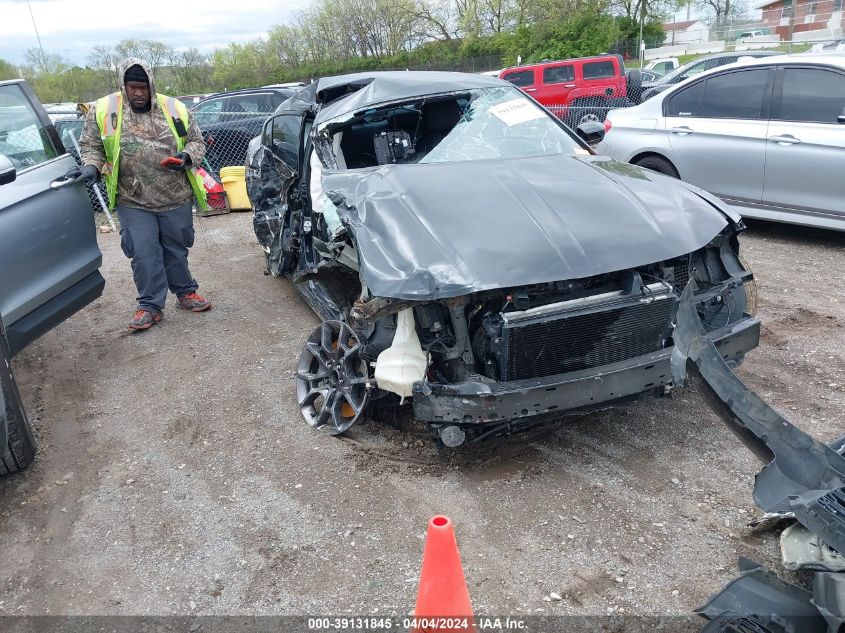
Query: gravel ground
x=175, y=475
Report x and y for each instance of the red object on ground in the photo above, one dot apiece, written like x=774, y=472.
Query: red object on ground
x=215, y=199
x=443, y=598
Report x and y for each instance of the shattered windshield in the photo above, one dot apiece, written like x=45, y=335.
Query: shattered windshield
x=483, y=123
x=500, y=123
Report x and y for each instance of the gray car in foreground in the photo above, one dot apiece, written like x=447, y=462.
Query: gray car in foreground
x=49, y=256
x=469, y=253
x=766, y=136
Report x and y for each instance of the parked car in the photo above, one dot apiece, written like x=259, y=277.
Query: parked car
x=662, y=65
x=767, y=136
x=229, y=120
x=708, y=62
x=491, y=305
x=576, y=90
x=748, y=35
x=646, y=75
x=826, y=47
x=49, y=258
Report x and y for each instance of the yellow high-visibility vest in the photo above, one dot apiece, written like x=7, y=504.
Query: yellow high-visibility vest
x=109, y=119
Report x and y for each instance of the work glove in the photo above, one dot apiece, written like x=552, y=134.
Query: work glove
x=179, y=162
x=87, y=174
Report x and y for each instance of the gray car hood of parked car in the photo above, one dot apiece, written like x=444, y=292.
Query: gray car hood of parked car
x=430, y=231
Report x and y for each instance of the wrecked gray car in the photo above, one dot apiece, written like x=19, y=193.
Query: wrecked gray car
x=468, y=251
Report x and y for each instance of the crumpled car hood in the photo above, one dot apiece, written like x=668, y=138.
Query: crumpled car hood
x=430, y=231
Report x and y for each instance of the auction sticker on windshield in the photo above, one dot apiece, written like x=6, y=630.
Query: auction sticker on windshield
x=516, y=111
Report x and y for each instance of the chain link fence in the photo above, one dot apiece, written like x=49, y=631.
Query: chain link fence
x=226, y=133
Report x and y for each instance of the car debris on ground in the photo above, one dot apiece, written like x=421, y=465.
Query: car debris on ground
x=802, y=479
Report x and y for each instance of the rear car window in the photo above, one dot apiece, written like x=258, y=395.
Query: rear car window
x=23, y=139
x=812, y=94
x=251, y=104
x=208, y=112
x=558, y=74
x=735, y=95
x=685, y=102
x=599, y=70
x=520, y=78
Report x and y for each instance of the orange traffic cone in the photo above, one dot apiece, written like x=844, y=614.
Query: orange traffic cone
x=443, y=598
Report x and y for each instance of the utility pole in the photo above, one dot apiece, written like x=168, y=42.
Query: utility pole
x=642, y=43
x=40, y=48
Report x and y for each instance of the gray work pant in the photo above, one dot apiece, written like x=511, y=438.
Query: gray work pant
x=157, y=242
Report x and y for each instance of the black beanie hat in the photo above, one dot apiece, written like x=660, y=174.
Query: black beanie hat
x=136, y=73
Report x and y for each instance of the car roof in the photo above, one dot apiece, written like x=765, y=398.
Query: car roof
x=348, y=93
x=834, y=58
x=558, y=61
x=831, y=58
x=247, y=91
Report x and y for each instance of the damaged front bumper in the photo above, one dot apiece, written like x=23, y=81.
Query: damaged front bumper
x=483, y=401
x=802, y=476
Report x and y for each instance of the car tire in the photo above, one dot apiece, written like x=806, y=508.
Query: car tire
x=634, y=85
x=658, y=164
x=19, y=451
x=580, y=111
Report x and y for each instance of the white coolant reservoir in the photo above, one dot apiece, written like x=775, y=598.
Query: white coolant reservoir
x=404, y=362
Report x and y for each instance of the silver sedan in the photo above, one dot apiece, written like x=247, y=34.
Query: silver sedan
x=767, y=136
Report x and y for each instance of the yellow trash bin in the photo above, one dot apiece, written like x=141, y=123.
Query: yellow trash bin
x=233, y=180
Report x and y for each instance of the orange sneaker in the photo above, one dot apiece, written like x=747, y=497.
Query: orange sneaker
x=194, y=302
x=144, y=320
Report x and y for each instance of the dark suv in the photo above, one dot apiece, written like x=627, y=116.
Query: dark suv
x=49, y=258
x=229, y=120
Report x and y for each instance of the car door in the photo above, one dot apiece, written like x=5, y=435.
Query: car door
x=717, y=131
x=556, y=82
x=274, y=174
x=804, y=138
x=49, y=256
x=523, y=78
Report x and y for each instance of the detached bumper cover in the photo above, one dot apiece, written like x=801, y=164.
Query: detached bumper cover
x=485, y=401
x=801, y=475
x=759, y=602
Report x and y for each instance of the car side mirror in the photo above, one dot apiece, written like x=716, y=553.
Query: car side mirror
x=841, y=117
x=683, y=78
x=8, y=173
x=591, y=132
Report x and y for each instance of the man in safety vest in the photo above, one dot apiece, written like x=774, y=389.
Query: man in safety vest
x=147, y=147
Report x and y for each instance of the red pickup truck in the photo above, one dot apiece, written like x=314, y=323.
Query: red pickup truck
x=576, y=90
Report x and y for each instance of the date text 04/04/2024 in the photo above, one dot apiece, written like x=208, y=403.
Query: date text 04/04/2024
x=411, y=623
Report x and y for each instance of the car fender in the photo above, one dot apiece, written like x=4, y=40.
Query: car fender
x=725, y=209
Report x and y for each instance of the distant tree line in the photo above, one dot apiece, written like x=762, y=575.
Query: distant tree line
x=337, y=36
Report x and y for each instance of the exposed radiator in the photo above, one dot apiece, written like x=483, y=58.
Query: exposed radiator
x=584, y=333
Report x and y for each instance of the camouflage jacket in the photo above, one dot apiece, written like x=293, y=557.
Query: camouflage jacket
x=145, y=139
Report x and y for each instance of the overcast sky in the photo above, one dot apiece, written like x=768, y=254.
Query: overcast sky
x=72, y=28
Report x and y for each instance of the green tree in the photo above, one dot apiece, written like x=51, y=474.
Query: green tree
x=8, y=71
